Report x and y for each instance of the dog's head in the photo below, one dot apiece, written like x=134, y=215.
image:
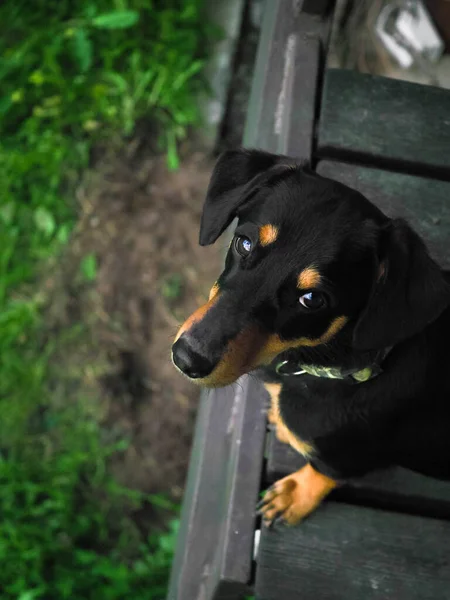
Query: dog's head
x=312, y=263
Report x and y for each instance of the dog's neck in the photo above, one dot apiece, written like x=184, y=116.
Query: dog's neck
x=332, y=363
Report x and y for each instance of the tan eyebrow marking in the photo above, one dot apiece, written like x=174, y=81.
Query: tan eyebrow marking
x=308, y=278
x=268, y=234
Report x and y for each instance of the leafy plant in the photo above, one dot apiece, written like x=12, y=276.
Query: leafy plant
x=172, y=286
x=56, y=537
x=89, y=267
x=75, y=74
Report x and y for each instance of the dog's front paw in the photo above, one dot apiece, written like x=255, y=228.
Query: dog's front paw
x=293, y=498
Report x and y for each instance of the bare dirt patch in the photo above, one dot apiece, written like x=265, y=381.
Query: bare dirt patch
x=141, y=223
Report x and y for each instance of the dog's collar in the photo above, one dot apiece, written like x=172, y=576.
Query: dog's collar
x=288, y=368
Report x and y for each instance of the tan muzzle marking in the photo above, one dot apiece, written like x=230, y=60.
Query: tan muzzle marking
x=275, y=345
x=196, y=316
x=251, y=348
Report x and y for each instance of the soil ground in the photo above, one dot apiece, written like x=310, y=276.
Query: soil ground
x=141, y=222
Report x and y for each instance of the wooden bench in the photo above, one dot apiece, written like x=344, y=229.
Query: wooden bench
x=387, y=535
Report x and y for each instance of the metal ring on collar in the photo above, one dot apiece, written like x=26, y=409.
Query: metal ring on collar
x=281, y=364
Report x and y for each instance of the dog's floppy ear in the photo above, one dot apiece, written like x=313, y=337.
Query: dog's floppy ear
x=411, y=291
x=238, y=174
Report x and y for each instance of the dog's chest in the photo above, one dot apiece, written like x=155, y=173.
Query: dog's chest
x=312, y=407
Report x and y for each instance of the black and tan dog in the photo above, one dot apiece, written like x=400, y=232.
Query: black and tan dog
x=340, y=310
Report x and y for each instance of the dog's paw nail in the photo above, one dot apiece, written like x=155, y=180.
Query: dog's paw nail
x=260, y=504
x=279, y=520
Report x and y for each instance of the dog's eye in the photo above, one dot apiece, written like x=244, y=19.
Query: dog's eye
x=312, y=300
x=243, y=245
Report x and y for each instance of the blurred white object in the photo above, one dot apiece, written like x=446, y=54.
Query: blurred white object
x=408, y=33
x=256, y=544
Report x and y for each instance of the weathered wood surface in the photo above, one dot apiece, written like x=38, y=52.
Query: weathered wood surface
x=215, y=544
x=386, y=122
x=352, y=553
x=285, y=90
x=425, y=203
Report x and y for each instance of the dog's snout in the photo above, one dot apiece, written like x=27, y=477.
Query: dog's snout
x=189, y=361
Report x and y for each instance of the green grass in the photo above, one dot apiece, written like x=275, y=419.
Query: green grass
x=65, y=531
x=75, y=75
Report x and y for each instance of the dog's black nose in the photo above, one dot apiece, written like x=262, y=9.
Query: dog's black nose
x=193, y=364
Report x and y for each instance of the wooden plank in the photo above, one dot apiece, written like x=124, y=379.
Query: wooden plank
x=214, y=551
x=248, y=429
x=283, y=101
x=395, y=489
x=423, y=202
x=226, y=15
x=355, y=553
x=385, y=122
x=199, y=528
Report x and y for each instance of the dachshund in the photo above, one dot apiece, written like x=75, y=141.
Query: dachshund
x=339, y=310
